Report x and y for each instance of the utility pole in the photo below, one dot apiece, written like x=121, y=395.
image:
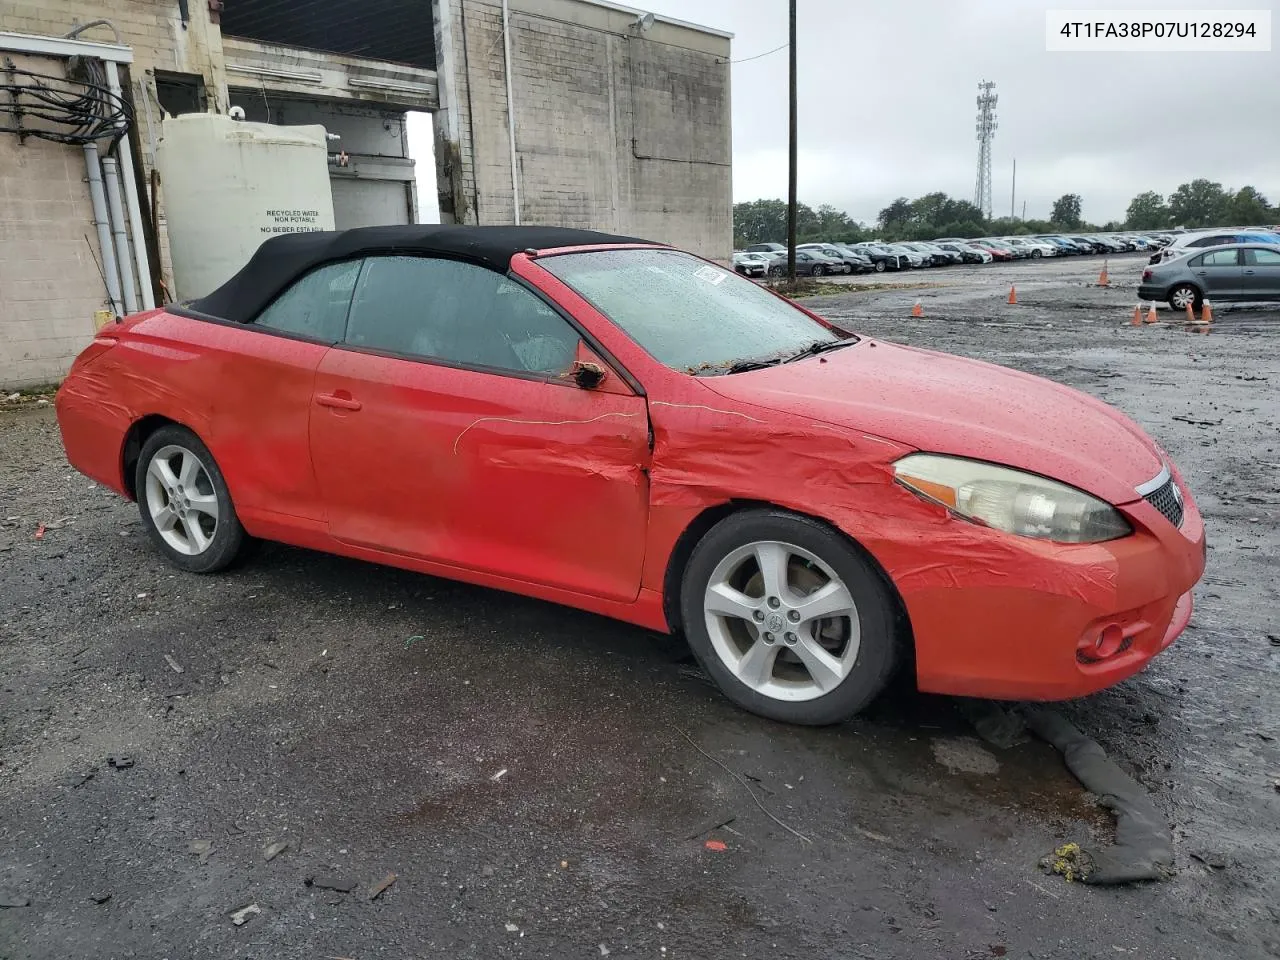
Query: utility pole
x=1013, y=192
x=791, y=147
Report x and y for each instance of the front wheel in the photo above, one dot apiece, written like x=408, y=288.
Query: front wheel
x=790, y=619
x=1184, y=295
x=185, y=504
x=777, y=271
x=880, y=266
x=819, y=270
x=1036, y=254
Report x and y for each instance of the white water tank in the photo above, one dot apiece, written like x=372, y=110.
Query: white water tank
x=228, y=185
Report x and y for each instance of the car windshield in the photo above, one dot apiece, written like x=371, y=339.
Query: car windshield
x=688, y=314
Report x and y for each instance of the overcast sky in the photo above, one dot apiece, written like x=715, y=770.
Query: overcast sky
x=887, y=108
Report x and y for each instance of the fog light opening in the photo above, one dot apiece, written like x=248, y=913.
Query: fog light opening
x=1110, y=640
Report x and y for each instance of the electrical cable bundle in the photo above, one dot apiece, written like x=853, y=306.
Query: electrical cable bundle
x=66, y=111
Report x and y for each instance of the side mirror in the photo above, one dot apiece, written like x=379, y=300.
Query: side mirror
x=586, y=375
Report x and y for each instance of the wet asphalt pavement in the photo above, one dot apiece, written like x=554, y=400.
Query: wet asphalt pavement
x=543, y=782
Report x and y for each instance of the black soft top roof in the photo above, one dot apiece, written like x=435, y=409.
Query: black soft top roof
x=281, y=260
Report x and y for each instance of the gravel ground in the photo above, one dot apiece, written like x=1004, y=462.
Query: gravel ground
x=543, y=782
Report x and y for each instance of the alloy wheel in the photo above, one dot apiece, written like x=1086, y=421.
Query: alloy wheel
x=782, y=621
x=181, y=500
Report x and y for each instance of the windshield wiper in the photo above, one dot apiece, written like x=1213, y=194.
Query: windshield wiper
x=742, y=366
x=820, y=346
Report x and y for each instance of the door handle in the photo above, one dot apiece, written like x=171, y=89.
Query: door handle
x=337, y=402
x=1249, y=273
x=1202, y=273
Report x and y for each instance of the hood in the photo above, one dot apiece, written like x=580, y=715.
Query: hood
x=947, y=404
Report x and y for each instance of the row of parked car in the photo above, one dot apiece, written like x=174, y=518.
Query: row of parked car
x=820, y=259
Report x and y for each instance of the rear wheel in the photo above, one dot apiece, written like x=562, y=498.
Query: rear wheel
x=185, y=504
x=819, y=270
x=788, y=618
x=1184, y=295
x=880, y=266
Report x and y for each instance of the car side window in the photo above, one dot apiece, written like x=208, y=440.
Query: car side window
x=315, y=306
x=1219, y=258
x=458, y=313
x=1262, y=258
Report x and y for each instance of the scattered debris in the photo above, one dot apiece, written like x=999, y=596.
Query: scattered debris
x=120, y=763
x=1197, y=423
x=746, y=786
x=9, y=899
x=487, y=872
x=336, y=884
x=499, y=775
x=99, y=898
x=379, y=888
x=512, y=928
x=1273, y=639
x=1265, y=737
x=1210, y=860
x=244, y=914
x=173, y=664
x=412, y=640
x=140, y=596
x=715, y=823
x=273, y=850
x=201, y=848
x=1144, y=844
x=604, y=951
x=719, y=846
x=40, y=531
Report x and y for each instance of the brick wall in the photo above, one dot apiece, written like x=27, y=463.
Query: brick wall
x=49, y=280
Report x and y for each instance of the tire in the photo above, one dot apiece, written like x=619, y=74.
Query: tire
x=819, y=270
x=848, y=269
x=1036, y=254
x=777, y=271
x=1183, y=294
x=187, y=508
x=850, y=666
x=880, y=266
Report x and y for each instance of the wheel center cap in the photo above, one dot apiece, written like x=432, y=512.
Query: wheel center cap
x=775, y=622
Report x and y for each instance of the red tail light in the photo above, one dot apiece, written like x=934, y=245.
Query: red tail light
x=1146, y=275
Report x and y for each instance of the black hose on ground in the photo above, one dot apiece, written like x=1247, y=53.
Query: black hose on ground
x=1144, y=844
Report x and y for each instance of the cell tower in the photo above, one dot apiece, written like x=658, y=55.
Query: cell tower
x=986, y=129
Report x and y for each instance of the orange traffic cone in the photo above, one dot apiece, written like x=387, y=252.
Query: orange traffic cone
x=917, y=310
x=1206, y=313
x=1151, y=314
x=1191, y=314
x=1013, y=294
x=1137, y=315
x=1103, y=280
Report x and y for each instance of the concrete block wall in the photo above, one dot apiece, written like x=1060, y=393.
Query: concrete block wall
x=152, y=28
x=615, y=129
x=49, y=280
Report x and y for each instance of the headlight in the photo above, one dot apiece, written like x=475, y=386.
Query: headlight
x=1010, y=500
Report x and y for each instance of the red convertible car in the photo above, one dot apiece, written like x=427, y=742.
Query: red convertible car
x=623, y=427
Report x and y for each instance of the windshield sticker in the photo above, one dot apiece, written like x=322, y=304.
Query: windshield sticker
x=710, y=274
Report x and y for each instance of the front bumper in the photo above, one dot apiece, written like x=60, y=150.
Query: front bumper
x=1010, y=618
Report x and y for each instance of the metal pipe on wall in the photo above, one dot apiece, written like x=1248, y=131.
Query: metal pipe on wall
x=132, y=207
x=106, y=248
x=511, y=109
x=111, y=174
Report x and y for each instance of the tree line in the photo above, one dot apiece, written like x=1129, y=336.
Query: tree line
x=1200, y=203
